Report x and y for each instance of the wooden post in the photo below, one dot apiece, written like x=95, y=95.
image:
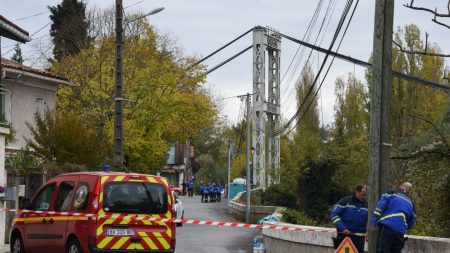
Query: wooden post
x=247, y=180
x=380, y=95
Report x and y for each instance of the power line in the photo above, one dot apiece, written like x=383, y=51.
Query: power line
x=138, y=2
x=369, y=65
x=298, y=49
x=331, y=6
x=293, y=73
x=326, y=73
x=35, y=15
x=338, y=29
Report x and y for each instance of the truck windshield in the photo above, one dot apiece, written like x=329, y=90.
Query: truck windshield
x=135, y=197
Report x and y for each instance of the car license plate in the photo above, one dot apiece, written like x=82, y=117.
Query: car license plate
x=120, y=232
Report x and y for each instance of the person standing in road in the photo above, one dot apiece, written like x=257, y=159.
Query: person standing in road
x=203, y=193
x=219, y=194
x=190, y=186
x=393, y=215
x=184, y=185
x=350, y=216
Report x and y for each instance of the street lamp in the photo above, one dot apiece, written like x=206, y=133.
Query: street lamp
x=118, y=96
x=154, y=11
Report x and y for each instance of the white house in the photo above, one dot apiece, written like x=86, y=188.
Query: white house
x=24, y=91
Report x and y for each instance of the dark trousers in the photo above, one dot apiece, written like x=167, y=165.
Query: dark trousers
x=204, y=197
x=389, y=241
x=190, y=192
x=358, y=241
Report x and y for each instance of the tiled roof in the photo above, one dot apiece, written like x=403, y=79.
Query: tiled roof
x=14, y=65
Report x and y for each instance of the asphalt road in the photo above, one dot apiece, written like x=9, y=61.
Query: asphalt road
x=203, y=238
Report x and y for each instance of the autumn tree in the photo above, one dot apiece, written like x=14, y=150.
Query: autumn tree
x=349, y=144
x=420, y=130
x=164, y=101
x=307, y=136
x=67, y=138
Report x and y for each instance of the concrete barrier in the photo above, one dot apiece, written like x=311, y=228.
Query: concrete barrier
x=237, y=210
x=320, y=242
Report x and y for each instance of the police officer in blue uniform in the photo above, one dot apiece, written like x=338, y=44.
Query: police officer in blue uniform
x=202, y=189
x=393, y=215
x=219, y=194
x=350, y=216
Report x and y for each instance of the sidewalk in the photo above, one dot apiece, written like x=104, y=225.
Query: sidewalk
x=4, y=248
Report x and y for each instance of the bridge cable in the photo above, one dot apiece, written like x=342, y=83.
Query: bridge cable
x=228, y=60
x=215, y=52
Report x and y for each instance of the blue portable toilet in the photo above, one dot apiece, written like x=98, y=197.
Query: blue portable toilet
x=238, y=185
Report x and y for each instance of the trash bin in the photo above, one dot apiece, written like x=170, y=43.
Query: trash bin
x=258, y=245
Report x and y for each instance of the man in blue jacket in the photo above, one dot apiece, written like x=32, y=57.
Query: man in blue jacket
x=350, y=216
x=393, y=215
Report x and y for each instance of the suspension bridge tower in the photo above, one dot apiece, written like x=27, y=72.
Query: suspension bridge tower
x=266, y=106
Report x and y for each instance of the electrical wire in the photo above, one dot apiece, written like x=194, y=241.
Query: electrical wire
x=300, y=46
x=35, y=15
x=307, y=35
x=338, y=29
x=326, y=73
x=291, y=99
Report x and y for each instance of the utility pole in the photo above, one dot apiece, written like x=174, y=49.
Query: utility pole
x=118, y=98
x=247, y=180
x=229, y=169
x=380, y=95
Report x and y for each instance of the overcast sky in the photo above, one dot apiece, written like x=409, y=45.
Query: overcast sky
x=202, y=26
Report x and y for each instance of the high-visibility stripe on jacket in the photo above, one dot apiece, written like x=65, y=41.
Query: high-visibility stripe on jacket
x=350, y=213
x=396, y=211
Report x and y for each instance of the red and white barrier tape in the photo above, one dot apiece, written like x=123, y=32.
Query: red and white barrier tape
x=167, y=220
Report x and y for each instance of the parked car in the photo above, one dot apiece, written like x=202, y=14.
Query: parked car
x=102, y=194
x=178, y=207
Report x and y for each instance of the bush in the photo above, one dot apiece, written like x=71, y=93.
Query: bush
x=280, y=195
x=295, y=217
x=317, y=190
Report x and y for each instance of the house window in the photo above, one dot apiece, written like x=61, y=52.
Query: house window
x=40, y=106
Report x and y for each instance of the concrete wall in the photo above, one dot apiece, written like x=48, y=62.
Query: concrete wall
x=21, y=104
x=280, y=241
x=237, y=210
